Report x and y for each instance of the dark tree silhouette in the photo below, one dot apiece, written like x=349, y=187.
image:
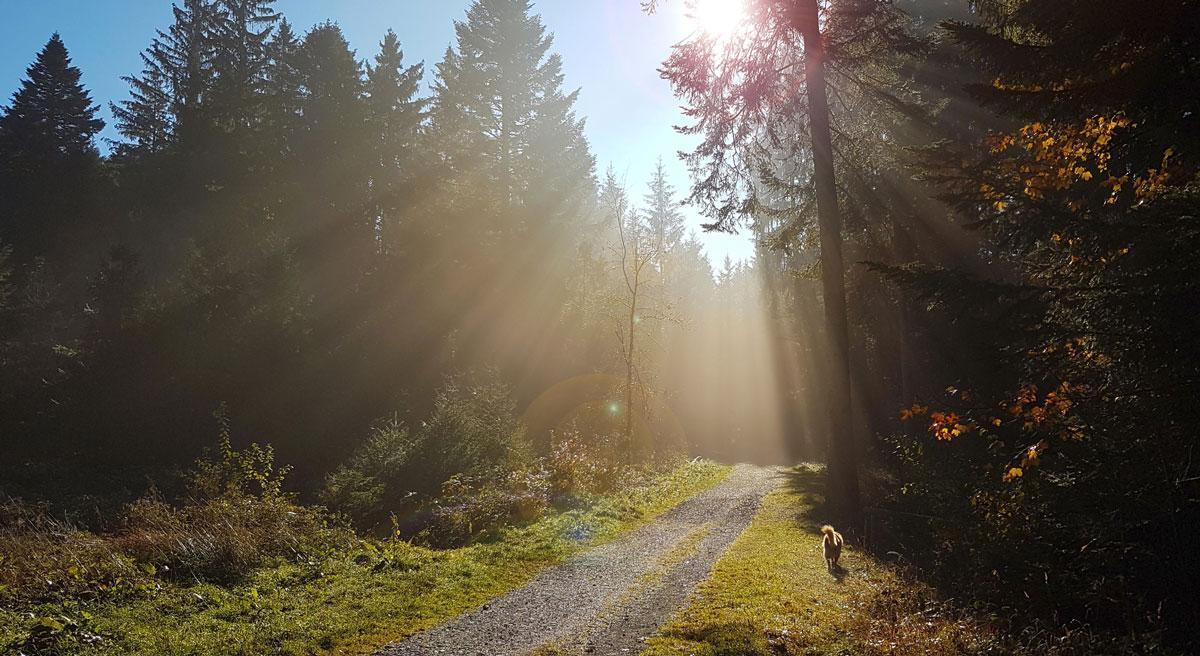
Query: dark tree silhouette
x=48, y=157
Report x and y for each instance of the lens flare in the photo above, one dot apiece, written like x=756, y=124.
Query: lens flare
x=718, y=18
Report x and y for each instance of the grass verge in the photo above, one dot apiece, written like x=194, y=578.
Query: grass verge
x=770, y=594
x=349, y=602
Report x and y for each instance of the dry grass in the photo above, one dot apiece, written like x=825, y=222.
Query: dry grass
x=44, y=558
x=224, y=538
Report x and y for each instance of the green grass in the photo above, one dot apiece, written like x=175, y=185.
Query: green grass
x=351, y=602
x=771, y=594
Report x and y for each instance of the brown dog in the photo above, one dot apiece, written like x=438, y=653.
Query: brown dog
x=831, y=545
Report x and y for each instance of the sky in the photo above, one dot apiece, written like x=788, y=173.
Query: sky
x=611, y=51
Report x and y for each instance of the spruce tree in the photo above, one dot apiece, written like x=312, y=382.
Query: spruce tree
x=517, y=181
x=177, y=75
x=147, y=118
x=663, y=217
x=395, y=114
x=502, y=91
x=51, y=115
x=241, y=35
x=334, y=234
x=48, y=155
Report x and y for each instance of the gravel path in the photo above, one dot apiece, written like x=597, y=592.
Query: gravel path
x=604, y=601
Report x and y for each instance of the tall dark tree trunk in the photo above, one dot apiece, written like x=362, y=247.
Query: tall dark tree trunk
x=843, y=460
x=629, y=363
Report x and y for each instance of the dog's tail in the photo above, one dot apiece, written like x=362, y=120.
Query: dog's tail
x=831, y=534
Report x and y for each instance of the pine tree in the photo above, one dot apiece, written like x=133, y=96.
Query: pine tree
x=502, y=92
x=167, y=98
x=241, y=36
x=51, y=115
x=47, y=151
x=395, y=115
x=663, y=217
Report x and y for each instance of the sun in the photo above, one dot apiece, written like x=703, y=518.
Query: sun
x=718, y=18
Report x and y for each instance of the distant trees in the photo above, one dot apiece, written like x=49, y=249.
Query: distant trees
x=663, y=218
x=1041, y=357
x=313, y=244
x=744, y=96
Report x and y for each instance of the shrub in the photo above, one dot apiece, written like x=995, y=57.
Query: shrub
x=474, y=427
x=471, y=506
x=369, y=484
x=221, y=539
x=578, y=467
x=473, y=432
x=238, y=518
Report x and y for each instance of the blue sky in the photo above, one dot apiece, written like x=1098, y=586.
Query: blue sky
x=611, y=51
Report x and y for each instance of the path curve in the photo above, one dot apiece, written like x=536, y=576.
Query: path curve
x=606, y=600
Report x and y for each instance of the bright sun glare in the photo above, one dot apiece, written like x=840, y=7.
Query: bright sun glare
x=718, y=17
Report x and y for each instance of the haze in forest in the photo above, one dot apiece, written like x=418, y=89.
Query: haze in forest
x=372, y=311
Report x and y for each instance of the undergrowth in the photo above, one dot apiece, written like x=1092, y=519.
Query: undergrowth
x=250, y=572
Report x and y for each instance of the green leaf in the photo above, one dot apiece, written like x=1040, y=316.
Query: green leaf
x=149, y=568
x=51, y=623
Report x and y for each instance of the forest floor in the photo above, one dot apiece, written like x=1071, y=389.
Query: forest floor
x=605, y=601
x=346, y=602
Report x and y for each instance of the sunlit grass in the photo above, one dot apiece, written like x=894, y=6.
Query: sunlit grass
x=354, y=602
x=771, y=594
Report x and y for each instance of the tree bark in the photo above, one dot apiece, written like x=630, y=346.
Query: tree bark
x=843, y=460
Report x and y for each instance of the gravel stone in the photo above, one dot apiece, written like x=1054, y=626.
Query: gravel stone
x=607, y=600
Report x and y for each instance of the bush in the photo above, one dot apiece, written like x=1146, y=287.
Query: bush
x=474, y=428
x=471, y=506
x=473, y=433
x=579, y=468
x=238, y=518
x=369, y=484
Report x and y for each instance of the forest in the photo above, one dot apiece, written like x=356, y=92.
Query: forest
x=339, y=334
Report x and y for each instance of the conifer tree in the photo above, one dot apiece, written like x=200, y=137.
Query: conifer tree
x=502, y=92
x=47, y=151
x=242, y=31
x=51, y=115
x=178, y=70
x=146, y=119
x=281, y=85
x=663, y=217
x=334, y=234
x=395, y=114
